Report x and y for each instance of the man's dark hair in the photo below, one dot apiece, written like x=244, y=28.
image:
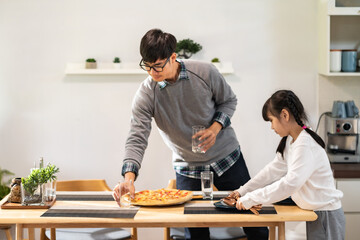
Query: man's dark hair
x=156, y=44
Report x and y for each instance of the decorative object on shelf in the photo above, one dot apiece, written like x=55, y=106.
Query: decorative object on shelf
x=4, y=189
x=186, y=48
x=90, y=63
x=335, y=60
x=15, y=192
x=34, y=188
x=216, y=62
x=348, y=60
x=117, y=62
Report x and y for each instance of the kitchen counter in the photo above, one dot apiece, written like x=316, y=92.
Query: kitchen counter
x=346, y=170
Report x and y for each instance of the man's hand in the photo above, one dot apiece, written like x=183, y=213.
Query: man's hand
x=208, y=136
x=124, y=187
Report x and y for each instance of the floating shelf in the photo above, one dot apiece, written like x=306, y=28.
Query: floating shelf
x=341, y=74
x=103, y=69
x=126, y=69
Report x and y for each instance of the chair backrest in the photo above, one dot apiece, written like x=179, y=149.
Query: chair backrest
x=172, y=185
x=82, y=185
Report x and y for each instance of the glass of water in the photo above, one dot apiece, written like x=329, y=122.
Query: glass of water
x=125, y=201
x=196, y=141
x=207, y=181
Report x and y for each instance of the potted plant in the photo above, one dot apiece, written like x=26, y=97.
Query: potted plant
x=186, y=48
x=34, y=188
x=117, y=62
x=90, y=63
x=4, y=188
x=216, y=62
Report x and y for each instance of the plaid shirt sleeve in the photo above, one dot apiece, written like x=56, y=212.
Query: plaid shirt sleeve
x=130, y=167
x=222, y=118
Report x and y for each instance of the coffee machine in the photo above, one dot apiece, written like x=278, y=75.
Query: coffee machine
x=342, y=139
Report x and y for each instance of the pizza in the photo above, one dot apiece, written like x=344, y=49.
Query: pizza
x=160, y=197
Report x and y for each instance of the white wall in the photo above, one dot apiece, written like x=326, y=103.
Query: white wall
x=80, y=123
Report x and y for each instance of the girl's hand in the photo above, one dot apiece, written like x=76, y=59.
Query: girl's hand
x=239, y=205
x=234, y=194
x=255, y=209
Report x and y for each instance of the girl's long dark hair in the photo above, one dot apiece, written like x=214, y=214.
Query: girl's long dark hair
x=286, y=99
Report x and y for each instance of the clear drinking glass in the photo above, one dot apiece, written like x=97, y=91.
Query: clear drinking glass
x=124, y=199
x=207, y=181
x=49, y=191
x=196, y=141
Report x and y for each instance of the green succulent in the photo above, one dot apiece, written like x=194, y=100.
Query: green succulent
x=90, y=60
x=117, y=60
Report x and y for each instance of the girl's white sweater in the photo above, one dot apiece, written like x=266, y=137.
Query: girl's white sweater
x=304, y=174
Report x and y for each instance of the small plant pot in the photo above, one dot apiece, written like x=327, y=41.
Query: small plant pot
x=90, y=65
x=117, y=65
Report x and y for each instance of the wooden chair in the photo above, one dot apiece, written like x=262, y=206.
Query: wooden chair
x=69, y=234
x=6, y=228
x=228, y=233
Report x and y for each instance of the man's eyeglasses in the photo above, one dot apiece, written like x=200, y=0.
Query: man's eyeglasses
x=156, y=68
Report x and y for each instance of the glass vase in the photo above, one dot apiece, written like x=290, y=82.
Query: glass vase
x=31, y=196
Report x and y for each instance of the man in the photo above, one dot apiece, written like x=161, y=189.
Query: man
x=178, y=95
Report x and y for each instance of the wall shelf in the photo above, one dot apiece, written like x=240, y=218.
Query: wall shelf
x=341, y=74
x=126, y=69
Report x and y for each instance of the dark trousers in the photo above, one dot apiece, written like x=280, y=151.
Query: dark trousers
x=232, y=179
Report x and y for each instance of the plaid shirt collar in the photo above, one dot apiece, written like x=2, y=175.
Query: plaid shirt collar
x=182, y=76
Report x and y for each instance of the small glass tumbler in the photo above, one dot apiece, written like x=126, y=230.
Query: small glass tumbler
x=207, y=180
x=125, y=201
x=196, y=141
x=49, y=191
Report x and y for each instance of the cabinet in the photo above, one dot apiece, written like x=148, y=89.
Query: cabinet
x=339, y=28
x=350, y=203
x=347, y=178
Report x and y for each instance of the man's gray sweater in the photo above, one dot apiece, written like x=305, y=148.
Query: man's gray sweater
x=176, y=108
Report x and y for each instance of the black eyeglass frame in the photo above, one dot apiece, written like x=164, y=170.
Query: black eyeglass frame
x=143, y=66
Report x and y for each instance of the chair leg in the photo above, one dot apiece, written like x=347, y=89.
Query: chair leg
x=43, y=235
x=134, y=234
x=31, y=232
x=166, y=233
x=8, y=234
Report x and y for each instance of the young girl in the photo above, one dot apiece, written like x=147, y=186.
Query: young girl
x=301, y=169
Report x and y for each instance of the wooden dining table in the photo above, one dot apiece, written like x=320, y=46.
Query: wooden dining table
x=150, y=217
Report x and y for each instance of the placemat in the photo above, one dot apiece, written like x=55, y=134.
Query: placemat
x=92, y=213
x=286, y=202
x=82, y=197
x=209, y=208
